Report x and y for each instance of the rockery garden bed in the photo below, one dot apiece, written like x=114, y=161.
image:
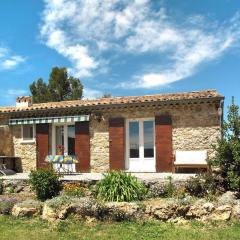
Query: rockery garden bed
x=117, y=197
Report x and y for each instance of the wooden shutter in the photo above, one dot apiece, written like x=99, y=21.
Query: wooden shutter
x=82, y=146
x=116, y=144
x=42, y=138
x=164, y=154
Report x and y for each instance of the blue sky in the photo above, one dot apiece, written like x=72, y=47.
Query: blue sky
x=122, y=47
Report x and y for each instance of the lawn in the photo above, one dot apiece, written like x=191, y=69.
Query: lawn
x=21, y=229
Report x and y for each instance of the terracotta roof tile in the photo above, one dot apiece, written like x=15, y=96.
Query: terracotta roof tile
x=118, y=100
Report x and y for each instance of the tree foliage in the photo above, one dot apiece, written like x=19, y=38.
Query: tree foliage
x=107, y=95
x=60, y=87
x=228, y=149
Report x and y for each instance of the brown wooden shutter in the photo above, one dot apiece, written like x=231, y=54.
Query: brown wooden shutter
x=82, y=146
x=164, y=154
x=42, y=132
x=116, y=144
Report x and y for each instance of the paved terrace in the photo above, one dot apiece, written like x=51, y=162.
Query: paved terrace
x=99, y=176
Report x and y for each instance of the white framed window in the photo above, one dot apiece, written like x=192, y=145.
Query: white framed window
x=140, y=145
x=28, y=133
x=64, y=135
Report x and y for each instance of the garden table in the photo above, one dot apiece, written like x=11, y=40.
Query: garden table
x=63, y=163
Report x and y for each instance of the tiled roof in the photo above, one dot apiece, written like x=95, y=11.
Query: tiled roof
x=206, y=94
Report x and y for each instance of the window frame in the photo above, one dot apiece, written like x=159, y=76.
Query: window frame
x=33, y=140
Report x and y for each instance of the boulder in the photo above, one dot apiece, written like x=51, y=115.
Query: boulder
x=236, y=211
x=84, y=206
x=160, y=209
x=18, y=189
x=60, y=207
x=227, y=198
x=130, y=210
x=208, y=207
x=28, y=208
x=221, y=213
x=49, y=213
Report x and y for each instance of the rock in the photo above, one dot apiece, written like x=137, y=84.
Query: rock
x=222, y=213
x=14, y=186
x=60, y=208
x=27, y=209
x=236, y=211
x=49, y=213
x=84, y=207
x=181, y=210
x=209, y=207
x=18, y=189
x=227, y=198
x=129, y=209
x=195, y=212
x=161, y=209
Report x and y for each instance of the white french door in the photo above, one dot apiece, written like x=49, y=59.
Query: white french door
x=64, y=135
x=140, y=145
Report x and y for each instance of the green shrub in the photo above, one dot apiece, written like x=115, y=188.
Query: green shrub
x=59, y=201
x=203, y=185
x=45, y=183
x=120, y=186
x=194, y=186
x=169, y=188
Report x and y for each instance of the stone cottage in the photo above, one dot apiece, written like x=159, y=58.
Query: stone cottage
x=136, y=133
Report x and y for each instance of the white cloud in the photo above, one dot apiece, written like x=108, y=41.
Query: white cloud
x=83, y=31
x=8, y=60
x=16, y=92
x=91, y=93
x=8, y=96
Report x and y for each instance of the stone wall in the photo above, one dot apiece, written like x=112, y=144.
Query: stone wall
x=6, y=144
x=195, y=127
x=99, y=145
x=25, y=151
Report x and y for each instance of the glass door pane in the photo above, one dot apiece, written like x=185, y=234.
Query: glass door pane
x=71, y=139
x=59, y=138
x=134, y=139
x=148, y=139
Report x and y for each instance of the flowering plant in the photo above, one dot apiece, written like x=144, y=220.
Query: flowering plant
x=60, y=149
x=73, y=189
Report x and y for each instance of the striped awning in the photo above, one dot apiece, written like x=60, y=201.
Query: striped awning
x=60, y=119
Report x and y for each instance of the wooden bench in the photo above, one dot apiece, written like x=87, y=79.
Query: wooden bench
x=190, y=159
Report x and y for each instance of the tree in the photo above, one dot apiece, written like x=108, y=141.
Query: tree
x=59, y=88
x=228, y=149
x=40, y=91
x=107, y=95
